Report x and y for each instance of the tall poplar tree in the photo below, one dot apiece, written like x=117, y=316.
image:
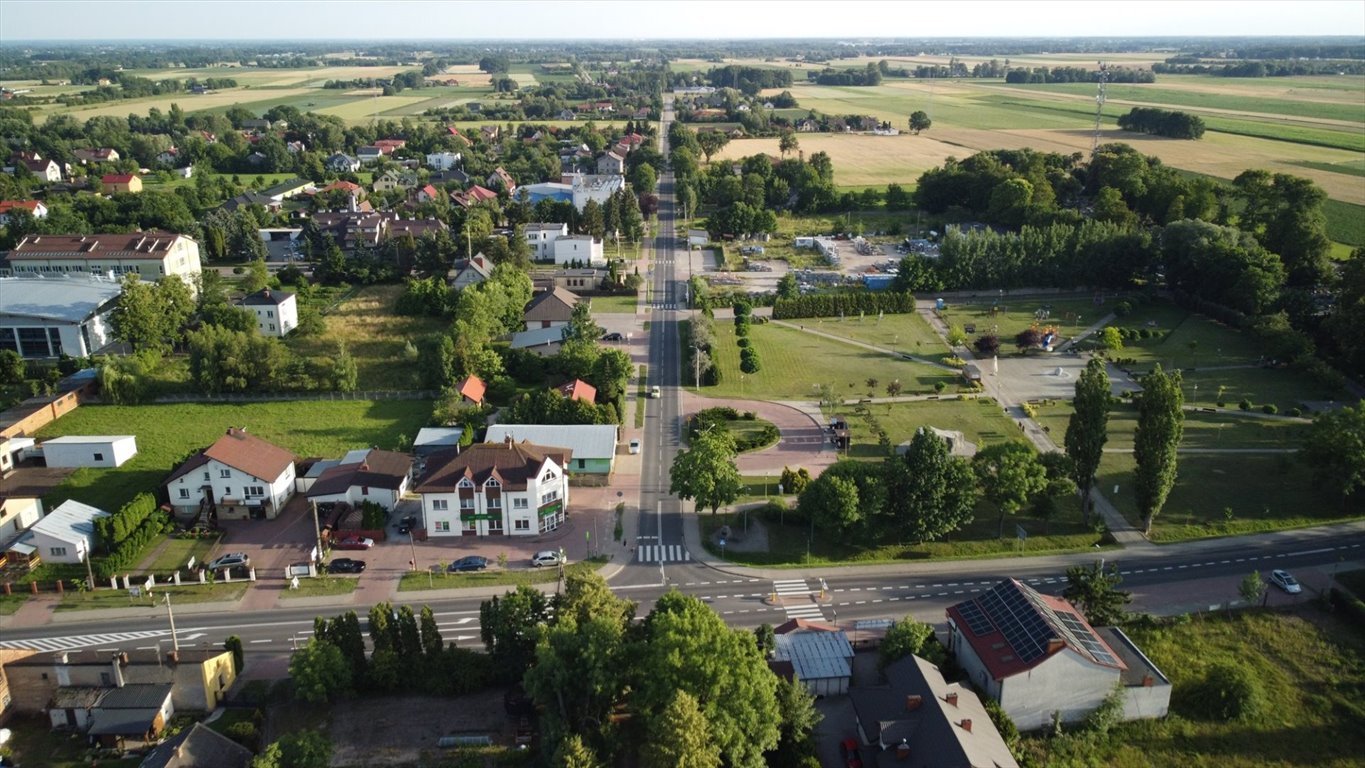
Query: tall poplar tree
x=1088, y=429
x=1161, y=422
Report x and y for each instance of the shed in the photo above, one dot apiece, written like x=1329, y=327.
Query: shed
x=821, y=659
x=432, y=439
x=89, y=450
x=593, y=445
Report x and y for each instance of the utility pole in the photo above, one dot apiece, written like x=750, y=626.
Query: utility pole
x=317, y=533
x=170, y=614
x=89, y=571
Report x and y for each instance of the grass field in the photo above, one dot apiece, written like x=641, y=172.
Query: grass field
x=367, y=324
x=1202, y=430
x=980, y=420
x=615, y=303
x=1311, y=667
x=174, y=554
x=423, y=580
x=322, y=586
x=904, y=333
x=166, y=434
x=1069, y=315
x=793, y=364
x=185, y=593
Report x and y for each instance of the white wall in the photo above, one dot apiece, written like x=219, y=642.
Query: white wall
x=1065, y=682
x=185, y=491
x=19, y=515
x=571, y=250
x=75, y=550
x=90, y=454
x=511, y=513
x=276, y=320
x=384, y=497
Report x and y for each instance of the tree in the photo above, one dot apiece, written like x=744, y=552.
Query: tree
x=320, y=672
x=581, y=326
x=12, y=367
x=712, y=142
x=510, y=627
x=1095, y=591
x=787, y=287
x=706, y=471
x=1087, y=430
x=956, y=336
x=679, y=737
x=988, y=345
x=1029, y=338
x=894, y=388
x=1010, y=474
x=788, y=143
x=345, y=372
x=930, y=492
x=1160, y=424
x=432, y=644
x=919, y=121
x=573, y=753
x=257, y=276
x=300, y=749
x=904, y=638
x=1335, y=448
x=799, y=719
x=832, y=501
x=1111, y=338
x=234, y=645
x=1252, y=588
x=139, y=318
x=687, y=647
x=1110, y=207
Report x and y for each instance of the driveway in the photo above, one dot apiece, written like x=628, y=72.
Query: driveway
x=803, y=442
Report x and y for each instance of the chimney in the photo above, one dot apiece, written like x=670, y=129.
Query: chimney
x=966, y=725
x=508, y=441
x=118, y=671
x=951, y=698
x=912, y=702
x=903, y=750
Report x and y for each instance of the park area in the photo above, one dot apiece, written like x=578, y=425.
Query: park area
x=167, y=434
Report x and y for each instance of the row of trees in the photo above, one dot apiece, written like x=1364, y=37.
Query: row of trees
x=1162, y=122
x=748, y=353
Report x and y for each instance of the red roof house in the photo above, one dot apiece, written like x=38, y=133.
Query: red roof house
x=579, y=390
x=472, y=389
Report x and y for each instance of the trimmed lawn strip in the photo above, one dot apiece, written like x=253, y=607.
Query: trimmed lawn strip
x=1308, y=664
x=1069, y=315
x=1202, y=430
x=322, y=586
x=176, y=553
x=793, y=364
x=615, y=303
x=641, y=394
x=11, y=603
x=166, y=434
x=185, y=593
x=904, y=333
x=980, y=419
x=424, y=580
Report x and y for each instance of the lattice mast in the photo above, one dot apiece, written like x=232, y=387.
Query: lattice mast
x=1099, y=107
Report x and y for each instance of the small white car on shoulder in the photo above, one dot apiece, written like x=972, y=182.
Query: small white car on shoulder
x=1284, y=581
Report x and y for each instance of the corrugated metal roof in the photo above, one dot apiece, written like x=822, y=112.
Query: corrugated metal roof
x=815, y=655
x=67, y=299
x=588, y=441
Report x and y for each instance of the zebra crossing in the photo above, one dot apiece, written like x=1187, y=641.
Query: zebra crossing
x=795, y=596
x=663, y=553
x=663, y=305
x=73, y=642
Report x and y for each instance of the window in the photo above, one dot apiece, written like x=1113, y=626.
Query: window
x=184, y=493
x=255, y=490
x=227, y=491
x=206, y=475
x=272, y=326
x=495, y=525
x=270, y=313
x=364, y=490
x=440, y=505
x=494, y=502
x=470, y=526
x=582, y=463
x=521, y=525
x=57, y=551
x=99, y=457
x=546, y=498
x=443, y=526
x=466, y=505
x=225, y=473
x=519, y=503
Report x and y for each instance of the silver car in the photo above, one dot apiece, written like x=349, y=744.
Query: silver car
x=230, y=560
x=1284, y=581
x=545, y=557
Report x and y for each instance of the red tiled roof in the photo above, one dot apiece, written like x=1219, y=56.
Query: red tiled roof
x=117, y=178
x=429, y=191
x=473, y=388
x=579, y=389
x=8, y=205
x=512, y=464
x=345, y=186
x=146, y=245
x=244, y=452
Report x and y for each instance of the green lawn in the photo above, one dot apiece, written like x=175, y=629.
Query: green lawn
x=903, y=333
x=1310, y=666
x=422, y=580
x=1345, y=222
x=176, y=552
x=616, y=303
x=1202, y=430
x=741, y=428
x=11, y=603
x=1187, y=340
x=981, y=421
x=1068, y=315
x=185, y=593
x=166, y=434
x=322, y=586
x=793, y=364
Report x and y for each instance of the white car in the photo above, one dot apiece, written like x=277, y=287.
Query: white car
x=1284, y=581
x=655, y=393
x=545, y=557
x=635, y=445
x=230, y=560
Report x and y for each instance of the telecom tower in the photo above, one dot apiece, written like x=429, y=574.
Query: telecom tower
x=1099, y=107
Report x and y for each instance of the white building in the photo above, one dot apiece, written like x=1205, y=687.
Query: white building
x=444, y=161
x=1039, y=657
x=240, y=476
x=593, y=187
x=366, y=474
x=89, y=450
x=541, y=237
x=277, y=312
x=579, y=250
x=504, y=489
x=149, y=254
x=593, y=446
x=44, y=318
x=66, y=535
x=18, y=513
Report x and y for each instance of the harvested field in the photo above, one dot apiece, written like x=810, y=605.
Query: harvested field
x=862, y=160
x=188, y=102
x=363, y=109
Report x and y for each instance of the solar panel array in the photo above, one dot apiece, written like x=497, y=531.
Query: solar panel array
x=976, y=620
x=1024, y=628
x=1085, y=638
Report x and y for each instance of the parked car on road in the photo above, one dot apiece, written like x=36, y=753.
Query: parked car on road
x=848, y=752
x=470, y=563
x=655, y=393
x=230, y=560
x=635, y=445
x=353, y=542
x=1284, y=581
x=545, y=557
x=408, y=523
x=613, y=336
x=346, y=565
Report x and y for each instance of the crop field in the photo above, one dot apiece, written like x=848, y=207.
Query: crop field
x=904, y=333
x=366, y=106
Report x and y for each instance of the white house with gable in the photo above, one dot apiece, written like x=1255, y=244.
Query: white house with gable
x=276, y=312
x=495, y=489
x=239, y=477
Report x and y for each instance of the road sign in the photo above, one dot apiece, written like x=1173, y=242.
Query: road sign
x=1020, y=532
x=135, y=591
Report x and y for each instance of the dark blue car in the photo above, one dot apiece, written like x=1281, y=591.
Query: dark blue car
x=471, y=563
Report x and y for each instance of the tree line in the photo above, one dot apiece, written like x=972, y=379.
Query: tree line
x=1162, y=122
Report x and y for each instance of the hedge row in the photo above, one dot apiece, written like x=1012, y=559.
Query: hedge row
x=748, y=355
x=125, y=535
x=845, y=304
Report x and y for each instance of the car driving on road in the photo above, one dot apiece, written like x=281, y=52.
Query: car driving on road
x=1284, y=581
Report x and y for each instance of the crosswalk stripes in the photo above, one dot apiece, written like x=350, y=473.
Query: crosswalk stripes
x=663, y=553
x=795, y=596
x=72, y=642
x=663, y=305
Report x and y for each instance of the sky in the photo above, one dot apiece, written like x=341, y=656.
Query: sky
x=184, y=20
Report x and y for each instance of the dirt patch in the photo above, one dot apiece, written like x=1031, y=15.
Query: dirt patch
x=402, y=729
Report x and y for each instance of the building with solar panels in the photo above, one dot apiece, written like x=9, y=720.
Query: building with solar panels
x=1038, y=656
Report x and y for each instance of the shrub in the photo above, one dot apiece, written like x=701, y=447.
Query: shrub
x=1245, y=404
x=748, y=360
x=1123, y=309
x=939, y=386
x=1221, y=404
x=1269, y=408
x=1228, y=691
x=245, y=733
x=1296, y=412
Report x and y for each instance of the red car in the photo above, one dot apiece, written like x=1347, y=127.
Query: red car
x=848, y=752
x=353, y=542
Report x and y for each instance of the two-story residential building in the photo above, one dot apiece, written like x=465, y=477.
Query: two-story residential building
x=500, y=179
x=550, y=309
x=240, y=476
x=45, y=170
x=470, y=272
x=366, y=474
x=444, y=161
x=611, y=163
x=579, y=250
x=495, y=489
x=1038, y=656
x=277, y=312
x=199, y=677
x=541, y=237
x=341, y=163
x=35, y=209
x=98, y=155
x=150, y=254
x=115, y=183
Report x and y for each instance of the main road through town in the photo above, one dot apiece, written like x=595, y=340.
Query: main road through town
x=1165, y=579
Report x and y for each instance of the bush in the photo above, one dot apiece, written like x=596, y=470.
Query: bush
x=1221, y=404
x=1245, y=404
x=1296, y=412
x=245, y=733
x=1228, y=691
x=743, y=341
x=1123, y=309
x=1269, y=408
